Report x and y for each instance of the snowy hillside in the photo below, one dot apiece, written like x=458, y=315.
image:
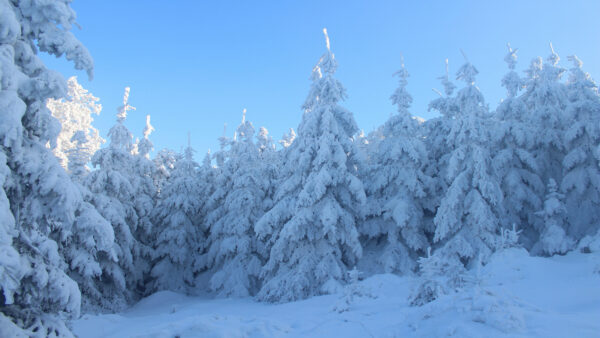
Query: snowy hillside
x=518, y=296
x=477, y=222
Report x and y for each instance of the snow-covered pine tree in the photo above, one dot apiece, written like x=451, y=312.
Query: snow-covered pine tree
x=43, y=219
x=215, y=202
x=113, y=194
x=439, y=275
x=514, y=162
x=581, y=180
x=553, y=238
x=546, y=100
x=75, y=114
x=164, y=161
x=396, y=186
x=177, y=219
x=145, y=193
x=436, y=131
x=468, y=219
x=269, y=163
x=235, y=254
x=312, y=224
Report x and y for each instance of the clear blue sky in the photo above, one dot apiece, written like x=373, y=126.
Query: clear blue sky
x=194, y=65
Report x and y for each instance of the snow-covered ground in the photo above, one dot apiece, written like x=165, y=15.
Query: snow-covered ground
x=517, y=295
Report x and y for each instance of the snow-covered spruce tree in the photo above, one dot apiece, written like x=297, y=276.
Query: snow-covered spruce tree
x=468, y=219
x=235, y=255
x=164, y=161
x=145, y=193
x=43, y=219
x=215, y=204
x=269, y=163
x=177, y=219
x=439, y=275
x=553, y=238
x=514, y=162
x=581, y=180
x=312, y=224
x=75, y=114
x=436, y=132
x=113, y=194
x=396, y=185
x=546, y=100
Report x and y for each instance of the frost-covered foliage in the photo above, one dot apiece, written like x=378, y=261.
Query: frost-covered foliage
x=312, y=226
x=75, y=115
x=553, y=237
x=546, y=101
x=113, y=192
x=47, y=231
x=145, y=191
x=397, y=186
x=438, y=149
x=235, y=255
x=581, y=172
x=517, y=167
x=164, y=161
x=178, y=227
x=468, y=219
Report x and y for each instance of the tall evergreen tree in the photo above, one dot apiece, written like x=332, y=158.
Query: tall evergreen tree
x=396, y=186
x=113, y=194
x=468, y=219
x=178, y=225
x=546, y=100
x=581, y=180
x=514, y=162
x=46, y=229
x=312, y=225
x=235, y=255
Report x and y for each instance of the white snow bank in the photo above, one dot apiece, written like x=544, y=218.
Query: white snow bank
x=516, y=295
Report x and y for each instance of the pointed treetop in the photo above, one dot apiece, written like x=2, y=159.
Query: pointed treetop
x=448, y=85
x=207, y=159
x=327, y=63
x=189, y=152
x=511, y=57
x=402, y=73
x=149, y=128
x=467, y=72
x=553, y=58
x=122, y=110
x=401, y=97
x=244, y=116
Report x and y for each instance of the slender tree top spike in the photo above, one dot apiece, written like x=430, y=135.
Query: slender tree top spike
x=244, y=116
x=327, y=39
x=122, y=110
x=189, y=140
x=402, y=59
x=149, y=128
x=464, y=55
x=553, y=58
x=446, y=67
x=224, y=129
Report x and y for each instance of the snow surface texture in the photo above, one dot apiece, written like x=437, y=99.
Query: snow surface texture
x=516, y=295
